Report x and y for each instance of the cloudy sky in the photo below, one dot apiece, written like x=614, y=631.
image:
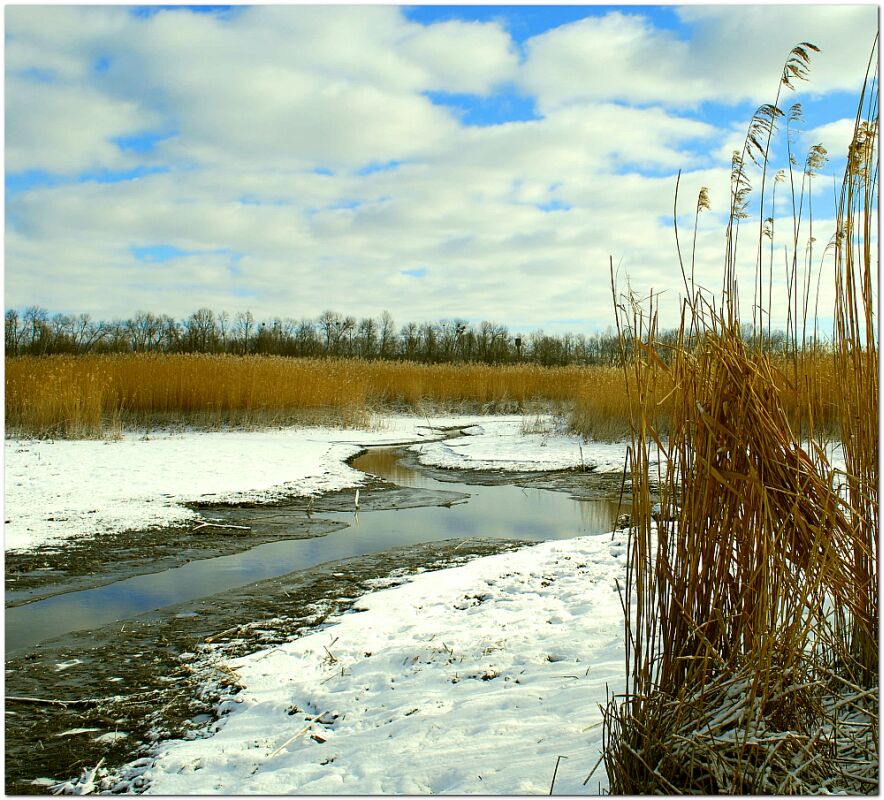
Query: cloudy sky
x=480, y=162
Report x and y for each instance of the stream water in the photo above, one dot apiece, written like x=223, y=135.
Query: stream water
x=502, y=512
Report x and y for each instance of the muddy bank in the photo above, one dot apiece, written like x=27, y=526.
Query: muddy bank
x=578, y=483
x=146, y=678
x=157, y=676
x=100, y=560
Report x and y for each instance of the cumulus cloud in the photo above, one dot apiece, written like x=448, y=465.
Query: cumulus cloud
x=835, y=136
x=66, y=129
x=576, y=63
x=733, y=53
x=462, y=57
x=306, y=167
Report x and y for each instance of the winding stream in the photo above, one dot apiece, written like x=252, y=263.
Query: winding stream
x=491, y=512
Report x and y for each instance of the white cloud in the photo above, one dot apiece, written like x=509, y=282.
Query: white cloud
x=256, y=101
x=577, y=62
x=734, y=53
x=757, y=38
x=66, y=129
x=461, y=56
x=835, y=136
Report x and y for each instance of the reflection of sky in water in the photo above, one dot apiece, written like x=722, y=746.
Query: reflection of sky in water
x=506, y=512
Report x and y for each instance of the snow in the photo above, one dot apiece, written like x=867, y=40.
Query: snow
x=57, y=490
x=60, y=490
x=480, y=678
x=513, y=444
x=472, y=679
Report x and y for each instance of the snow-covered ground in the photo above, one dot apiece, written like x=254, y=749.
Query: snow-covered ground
x=473, y=679
x=59, y=490
x=533, y=444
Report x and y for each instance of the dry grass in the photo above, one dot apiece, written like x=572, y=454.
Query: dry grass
x=77, y=396
x=751, y=598
x=808, y=386
x=601, y=406
x=87, y=396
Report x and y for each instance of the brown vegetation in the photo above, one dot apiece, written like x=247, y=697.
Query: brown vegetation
x=751, y=598
x=78, y=396
x=88, y=396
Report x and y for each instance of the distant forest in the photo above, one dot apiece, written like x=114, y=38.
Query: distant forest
x=33, y=331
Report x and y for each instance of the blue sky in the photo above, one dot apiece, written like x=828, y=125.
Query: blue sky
x=481, y=162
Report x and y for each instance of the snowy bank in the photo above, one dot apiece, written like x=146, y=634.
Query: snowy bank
x=472, y=679
x=61, y=490
x=522, y=444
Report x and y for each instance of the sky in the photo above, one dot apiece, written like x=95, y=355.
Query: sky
x=471, y=162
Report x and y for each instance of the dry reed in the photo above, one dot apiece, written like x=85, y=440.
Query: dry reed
x=751, y=602
x=87, y=395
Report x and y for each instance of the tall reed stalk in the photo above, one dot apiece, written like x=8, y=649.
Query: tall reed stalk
x=751, y=586
x=856, y=364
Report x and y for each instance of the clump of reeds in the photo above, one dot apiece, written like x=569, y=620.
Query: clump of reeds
x=751, y=604
x=798, y=738
x=856, y=369
x=808, y=383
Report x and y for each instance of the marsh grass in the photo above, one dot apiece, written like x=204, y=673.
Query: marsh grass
x=93, y=396
x=808, y=387
x=751, y=591
x=82, y=396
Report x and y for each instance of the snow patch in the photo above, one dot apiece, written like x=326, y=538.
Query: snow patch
x=472, y=679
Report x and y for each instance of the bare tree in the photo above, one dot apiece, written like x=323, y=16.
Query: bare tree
x=367, y=338
x=244, y=329
x=387, y=335
x=201, y=331
x=329, y=323
x=223, y=319
x=87, y=333
x=410, y=341
x=34, y=328
x=13, y=333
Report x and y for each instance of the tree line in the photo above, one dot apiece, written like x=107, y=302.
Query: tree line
x=34, y=331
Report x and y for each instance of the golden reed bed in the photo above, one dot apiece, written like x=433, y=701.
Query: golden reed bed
x=87, y=396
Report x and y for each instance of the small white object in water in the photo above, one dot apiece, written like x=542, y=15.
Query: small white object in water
x=357, y=498
x=113, y=736
x=76, y=731
x=66, y=664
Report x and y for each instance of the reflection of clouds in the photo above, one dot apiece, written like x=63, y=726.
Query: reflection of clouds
x=502, y=512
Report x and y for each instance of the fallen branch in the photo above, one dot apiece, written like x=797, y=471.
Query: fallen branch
x=215, y=636
x=219, y=525
x=288, y=741
x=39, y=701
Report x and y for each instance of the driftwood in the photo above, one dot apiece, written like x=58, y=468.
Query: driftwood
x=202, y=525
x=241, y=629
x=39, y=701
x=288, y=741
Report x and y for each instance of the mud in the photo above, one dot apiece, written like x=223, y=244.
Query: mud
x=157, y=676
x=581, y=484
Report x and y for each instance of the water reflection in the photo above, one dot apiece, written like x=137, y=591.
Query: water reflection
x=385, y=462
x=602, y=515
x=505, y=512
